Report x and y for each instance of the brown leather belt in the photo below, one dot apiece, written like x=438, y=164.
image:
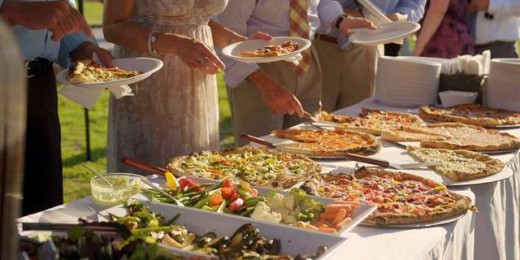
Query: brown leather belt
x=326, y=38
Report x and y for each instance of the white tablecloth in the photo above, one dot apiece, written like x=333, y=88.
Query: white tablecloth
x=449, y=241
x=497, y=227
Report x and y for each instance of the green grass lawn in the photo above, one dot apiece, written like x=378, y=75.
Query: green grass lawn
x=72, y=116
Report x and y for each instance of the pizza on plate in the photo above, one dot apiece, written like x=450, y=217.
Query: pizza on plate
x=401, y=198
x=472, y=114
x=373, y=121
x=455, y=136
x=87, y=71
x=272, y=50
x=458, y=164
x=258, y=166
x=327, y=142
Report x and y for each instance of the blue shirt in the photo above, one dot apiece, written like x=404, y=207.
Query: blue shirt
x=38, y=43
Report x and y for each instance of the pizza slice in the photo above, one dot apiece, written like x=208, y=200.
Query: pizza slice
x=272, y=50
x=88, y=71
x=458, y=164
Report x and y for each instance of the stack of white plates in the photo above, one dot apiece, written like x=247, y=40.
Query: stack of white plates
x=407, y=82
x=504, y=84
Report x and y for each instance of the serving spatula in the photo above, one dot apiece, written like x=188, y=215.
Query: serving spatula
x=387, y=164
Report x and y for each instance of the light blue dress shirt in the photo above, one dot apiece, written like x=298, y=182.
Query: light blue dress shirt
x=38, y=43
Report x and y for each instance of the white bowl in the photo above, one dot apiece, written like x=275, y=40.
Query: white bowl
x=451, y=98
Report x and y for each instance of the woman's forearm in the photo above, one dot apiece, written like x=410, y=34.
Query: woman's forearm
x=433, y=19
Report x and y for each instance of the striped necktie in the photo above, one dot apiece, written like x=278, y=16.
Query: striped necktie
x=299, y=27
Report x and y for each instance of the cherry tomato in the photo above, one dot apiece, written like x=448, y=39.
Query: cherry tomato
x=235, y=196
x=228, y=183
x=185, y=183
x=253, y=192
x=227, y=192
x=215, y=199
x=236, y=204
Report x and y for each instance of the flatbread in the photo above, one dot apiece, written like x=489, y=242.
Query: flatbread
x=258, y=166
x=472, y=114
x=458, y=164
x=455, y=136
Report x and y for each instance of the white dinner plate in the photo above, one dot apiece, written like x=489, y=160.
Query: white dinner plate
x=233, y=51
x=385, y=33
x=147, y=66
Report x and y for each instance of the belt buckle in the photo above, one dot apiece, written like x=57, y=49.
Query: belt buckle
x=27, y=67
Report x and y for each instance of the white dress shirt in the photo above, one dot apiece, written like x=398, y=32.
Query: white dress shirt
x=505, y=25
x=246, y=17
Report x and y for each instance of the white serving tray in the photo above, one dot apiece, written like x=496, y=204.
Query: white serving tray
x=294, y=241
x=358, y=215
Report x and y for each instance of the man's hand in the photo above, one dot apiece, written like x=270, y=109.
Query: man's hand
x=355, y=22
x=277, y=97
x=57, y=16
x=86, y=50
x=479, y=5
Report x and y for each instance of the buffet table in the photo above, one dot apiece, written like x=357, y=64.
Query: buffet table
x=497, y=227
x=449, y=241
x=492, y=233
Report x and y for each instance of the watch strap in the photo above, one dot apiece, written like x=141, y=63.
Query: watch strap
x=152, y=38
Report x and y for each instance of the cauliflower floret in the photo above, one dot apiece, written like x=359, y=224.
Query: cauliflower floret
x=288, y=201
x=263, y=212
x=276, y=201
x=290, y=219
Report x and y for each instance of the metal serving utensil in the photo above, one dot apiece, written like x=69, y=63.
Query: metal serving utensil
x=387, y=164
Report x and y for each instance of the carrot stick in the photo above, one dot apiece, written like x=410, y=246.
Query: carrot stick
x=342, y=213
x=339, y=226
x=327, y=229
x=328, y=216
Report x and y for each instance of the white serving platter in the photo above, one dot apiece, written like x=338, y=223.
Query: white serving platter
x=294, y=241
x=233, y=51
x=384, y=33
x=147, y=66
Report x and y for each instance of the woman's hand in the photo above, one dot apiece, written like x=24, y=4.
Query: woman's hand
x=262, y=36
x=195, y=54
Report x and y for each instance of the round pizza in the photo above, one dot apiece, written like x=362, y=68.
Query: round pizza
x=401, y=198
x=458, y=164
x=472, y=114
x=257, y=166
x=373, y=121
x=327, y=142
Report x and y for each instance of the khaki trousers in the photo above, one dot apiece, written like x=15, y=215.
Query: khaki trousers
x=251, y=115
x=348, y=75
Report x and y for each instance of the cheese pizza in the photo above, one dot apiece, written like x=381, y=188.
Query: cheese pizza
x=88, y=71
x=259, y=167
x=472, y=114
x=327, y=142
x=401, y=198
x=458, y=164
x=373, y=121
x=455, y=136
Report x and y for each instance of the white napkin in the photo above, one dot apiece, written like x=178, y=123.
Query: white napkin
x=87, y=97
